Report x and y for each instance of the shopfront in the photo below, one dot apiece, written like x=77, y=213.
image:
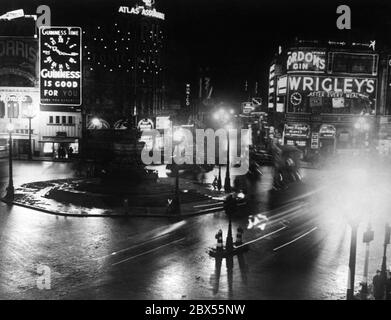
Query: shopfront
x=19, y=105
x=327, y=139
x=297, y=134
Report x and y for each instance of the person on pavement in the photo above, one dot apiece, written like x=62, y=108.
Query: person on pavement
x=378, y=286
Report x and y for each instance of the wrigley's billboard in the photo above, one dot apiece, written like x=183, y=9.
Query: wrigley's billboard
x=326, y=85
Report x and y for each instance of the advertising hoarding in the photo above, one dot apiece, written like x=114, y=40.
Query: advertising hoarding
x=353, y=93
x=163, y=123
x=297, y=130
x=60, y=66
x=306, y=61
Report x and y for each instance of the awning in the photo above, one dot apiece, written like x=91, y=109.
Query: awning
x=17, y=136
x=58, y=140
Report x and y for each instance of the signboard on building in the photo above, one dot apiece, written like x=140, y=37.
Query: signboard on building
x=247, y=107
x=296, y=130
x=337, y=92
x=327, y=131
x=60, y=72
x=163, y=123
x=18, y=59
x=306, y=61
x=146, y=10
x=315, y=140
x=145, y=124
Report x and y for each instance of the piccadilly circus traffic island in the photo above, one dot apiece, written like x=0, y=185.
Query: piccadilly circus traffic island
x=190, y=150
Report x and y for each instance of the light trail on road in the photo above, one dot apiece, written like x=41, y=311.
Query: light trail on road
x=296, y=239
x=149, y=251
x=262, y=237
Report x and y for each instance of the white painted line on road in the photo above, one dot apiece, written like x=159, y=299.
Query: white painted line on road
x=146, y=252
x=263, y=237
x=294, y=240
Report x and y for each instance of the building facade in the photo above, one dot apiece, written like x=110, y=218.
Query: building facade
x=124, y=66
x=20, y=101
x=328, y=97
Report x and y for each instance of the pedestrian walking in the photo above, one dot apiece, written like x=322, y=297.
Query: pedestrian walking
x=70, y=152
x=214, y=183
x=378, y=286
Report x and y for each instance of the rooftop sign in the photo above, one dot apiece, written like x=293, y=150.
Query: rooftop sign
x=146, y=11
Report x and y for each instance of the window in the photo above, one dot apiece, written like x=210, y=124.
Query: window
x=50, y=119
x=70, y=120
x=2, y=109
x=13, y=109
x=57, y=119
x=27, y=107
x=64, y=120
x=354, y=63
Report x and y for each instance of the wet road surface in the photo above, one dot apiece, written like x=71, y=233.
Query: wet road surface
x=299, y=251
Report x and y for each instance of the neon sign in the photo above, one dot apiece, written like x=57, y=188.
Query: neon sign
x=314, y=61
x=141, y=10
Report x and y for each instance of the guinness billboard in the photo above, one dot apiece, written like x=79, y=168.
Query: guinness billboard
x=60, y=65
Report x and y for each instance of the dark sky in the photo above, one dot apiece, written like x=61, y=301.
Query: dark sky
x=236, y=38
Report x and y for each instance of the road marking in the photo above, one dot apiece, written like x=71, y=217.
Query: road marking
x=262, y=237
x=146, y=252
x=294, y=240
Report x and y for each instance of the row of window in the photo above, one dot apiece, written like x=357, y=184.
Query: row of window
x=14, y=109
x=62, y=120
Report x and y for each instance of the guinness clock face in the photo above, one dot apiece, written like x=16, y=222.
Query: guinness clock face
x=296, y=98
x=60, y=52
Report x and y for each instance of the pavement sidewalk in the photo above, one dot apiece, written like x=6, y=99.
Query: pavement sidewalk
x=61, y=197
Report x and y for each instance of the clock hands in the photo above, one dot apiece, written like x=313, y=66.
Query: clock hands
x=72, y=54
x=61, y=53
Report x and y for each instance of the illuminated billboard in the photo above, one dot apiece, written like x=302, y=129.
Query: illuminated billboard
x=331, y=94
x=60, y=65
x=306, y=61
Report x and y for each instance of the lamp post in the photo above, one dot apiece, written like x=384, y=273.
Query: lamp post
x=9, y=197
x=219, y=179
x=352, y=261
x=229, y=207
x=30, y=111
x=177, y=137
x=384, y=261
x=368, y=237
x=30, y=155
x=223, y=116
x=227, y=181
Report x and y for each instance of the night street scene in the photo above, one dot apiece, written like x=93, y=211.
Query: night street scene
x=195, y=150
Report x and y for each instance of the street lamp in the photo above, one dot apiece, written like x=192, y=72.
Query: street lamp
x=224, y=116
x=177, y=137
x=30, y=111
x=227, y=181
x=387, y=237
x=352, y=261
x=9, y=197
x=368, y=237
x=96, y=123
